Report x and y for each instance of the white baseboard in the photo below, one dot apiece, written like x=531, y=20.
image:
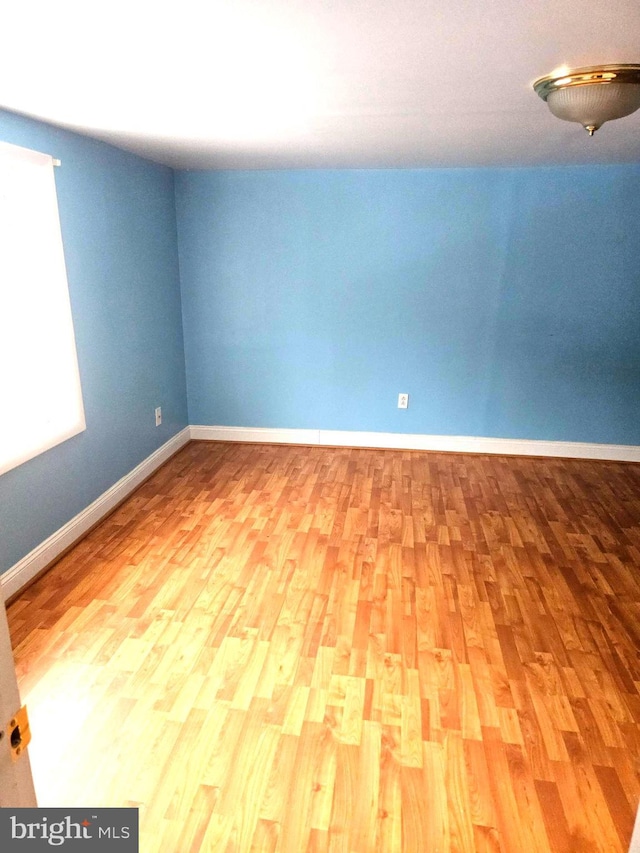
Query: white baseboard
x=35, y=561
x=401, y=441
x=259, y=435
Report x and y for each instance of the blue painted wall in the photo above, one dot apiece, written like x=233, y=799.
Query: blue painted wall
x=118, y=224
x=506, y=302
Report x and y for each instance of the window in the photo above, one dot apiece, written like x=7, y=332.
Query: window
x=40, y=394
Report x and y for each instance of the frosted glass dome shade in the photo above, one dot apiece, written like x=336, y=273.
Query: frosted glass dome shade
x=591, y=96
x=592, y=105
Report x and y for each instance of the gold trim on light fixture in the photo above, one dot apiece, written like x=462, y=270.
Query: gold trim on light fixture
x=579, y=106
x=587, y=76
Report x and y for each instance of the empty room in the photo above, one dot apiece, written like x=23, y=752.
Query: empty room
x=320, y=434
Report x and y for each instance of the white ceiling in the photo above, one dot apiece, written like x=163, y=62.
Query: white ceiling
x=317, y=83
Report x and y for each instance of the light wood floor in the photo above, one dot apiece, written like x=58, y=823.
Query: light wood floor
x=309, y=649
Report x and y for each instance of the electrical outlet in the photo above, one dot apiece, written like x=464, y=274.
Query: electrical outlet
x=158, y=415
x=403, y=401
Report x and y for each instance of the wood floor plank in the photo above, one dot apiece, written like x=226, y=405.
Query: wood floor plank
x=290, y=649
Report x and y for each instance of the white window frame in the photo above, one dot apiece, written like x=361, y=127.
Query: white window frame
x=40, y=393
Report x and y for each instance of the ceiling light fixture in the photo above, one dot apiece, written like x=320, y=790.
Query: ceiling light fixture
x=591, y=95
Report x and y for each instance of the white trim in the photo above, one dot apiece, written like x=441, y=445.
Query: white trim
x=634, y=847
x=402, y=441
x=34, y=562
x=260, y=435
x=16, y=782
